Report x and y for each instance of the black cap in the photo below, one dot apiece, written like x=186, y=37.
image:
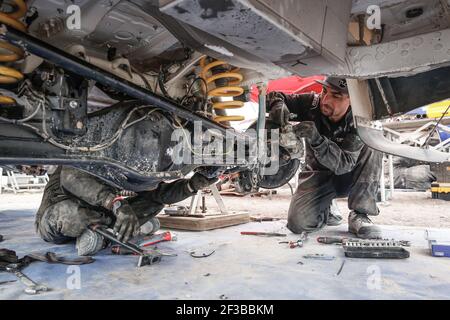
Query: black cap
x=339, y=84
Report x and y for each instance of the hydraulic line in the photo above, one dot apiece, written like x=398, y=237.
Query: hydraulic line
x=10, y=53
x=232, y=89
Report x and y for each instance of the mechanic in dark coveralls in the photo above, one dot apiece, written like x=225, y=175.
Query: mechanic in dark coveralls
x=338, y=163
x=74, y=199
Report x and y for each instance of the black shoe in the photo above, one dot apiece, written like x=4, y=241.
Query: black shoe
x=360, y=225
x=334, y=215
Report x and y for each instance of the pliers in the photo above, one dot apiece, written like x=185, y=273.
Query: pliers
x=293, y=244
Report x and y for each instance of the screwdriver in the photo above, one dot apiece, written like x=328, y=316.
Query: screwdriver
x=154, y=239
x=330, y=240
x=267, y=234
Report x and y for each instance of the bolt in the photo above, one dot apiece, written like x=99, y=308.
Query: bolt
x=73, y=104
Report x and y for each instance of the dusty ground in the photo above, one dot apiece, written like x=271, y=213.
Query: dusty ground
x=242, y=267
x=406, y=209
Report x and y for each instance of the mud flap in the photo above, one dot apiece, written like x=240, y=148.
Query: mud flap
x=374, y=138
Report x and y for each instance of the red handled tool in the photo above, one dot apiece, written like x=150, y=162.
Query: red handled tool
x=156, y=238
x=330, y=240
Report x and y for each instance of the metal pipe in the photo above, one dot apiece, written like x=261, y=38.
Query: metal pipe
x=391, y=175
x=185, y=68
x=382, y=183
x=107, y=235
x=261, y=122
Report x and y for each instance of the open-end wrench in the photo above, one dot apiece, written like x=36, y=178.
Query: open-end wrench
x=31, y=286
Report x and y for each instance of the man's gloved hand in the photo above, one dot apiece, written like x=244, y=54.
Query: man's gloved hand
x=308, y=130
x=279, y=113
x=127, y=223
x=199, y=181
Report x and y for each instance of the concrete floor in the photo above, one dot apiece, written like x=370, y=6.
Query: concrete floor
x=242, y=267
x=415, y=209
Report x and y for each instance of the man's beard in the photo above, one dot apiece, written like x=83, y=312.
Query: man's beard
x=327, y=110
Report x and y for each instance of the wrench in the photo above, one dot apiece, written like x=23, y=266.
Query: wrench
x=32, y=287
x=145, y=257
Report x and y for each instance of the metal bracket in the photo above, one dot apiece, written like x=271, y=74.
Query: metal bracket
x=375, y=139
x=216, y=195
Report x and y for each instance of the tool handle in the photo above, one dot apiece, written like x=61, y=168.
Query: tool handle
x=151, y=240
x=119, y=250
x=330, y=240
x=109, y=236
x=268, y=234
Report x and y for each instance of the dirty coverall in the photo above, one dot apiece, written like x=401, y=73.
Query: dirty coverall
x=342, y=165
x=74, y=199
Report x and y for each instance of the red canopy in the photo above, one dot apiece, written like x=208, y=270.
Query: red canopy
x=291, y=85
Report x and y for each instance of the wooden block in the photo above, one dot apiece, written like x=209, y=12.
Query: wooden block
x=209, y=222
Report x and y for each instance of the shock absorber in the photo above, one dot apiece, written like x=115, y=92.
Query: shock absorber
x=8, y=52
x=231, y=88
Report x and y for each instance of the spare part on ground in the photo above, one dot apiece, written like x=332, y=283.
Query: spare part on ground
x=10, y=262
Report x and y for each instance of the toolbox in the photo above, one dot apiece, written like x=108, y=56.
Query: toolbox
x=374, y=249
x=439, y=243
x=441, y=188
x=440, y=191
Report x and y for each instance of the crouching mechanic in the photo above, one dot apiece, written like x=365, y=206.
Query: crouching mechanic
x=338, y=163
x=74, y=199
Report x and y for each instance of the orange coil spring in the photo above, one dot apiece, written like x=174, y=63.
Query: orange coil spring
x=9, y=52
x=231, y=90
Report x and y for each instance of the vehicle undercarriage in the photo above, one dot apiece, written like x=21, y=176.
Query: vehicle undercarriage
x=107, y=94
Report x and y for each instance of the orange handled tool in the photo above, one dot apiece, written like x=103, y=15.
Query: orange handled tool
x=330, y=240
x=156, y=238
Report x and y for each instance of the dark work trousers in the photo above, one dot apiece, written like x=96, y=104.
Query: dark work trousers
x=310, y=205
x=74, y=199
x=65, y=220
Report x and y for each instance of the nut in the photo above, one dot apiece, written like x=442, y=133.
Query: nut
x=73, y=104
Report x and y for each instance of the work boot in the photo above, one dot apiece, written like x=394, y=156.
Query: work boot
x=334, y=220
x=360, y=225
x=334, y=215
x=150, y=227
x=89, y=243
